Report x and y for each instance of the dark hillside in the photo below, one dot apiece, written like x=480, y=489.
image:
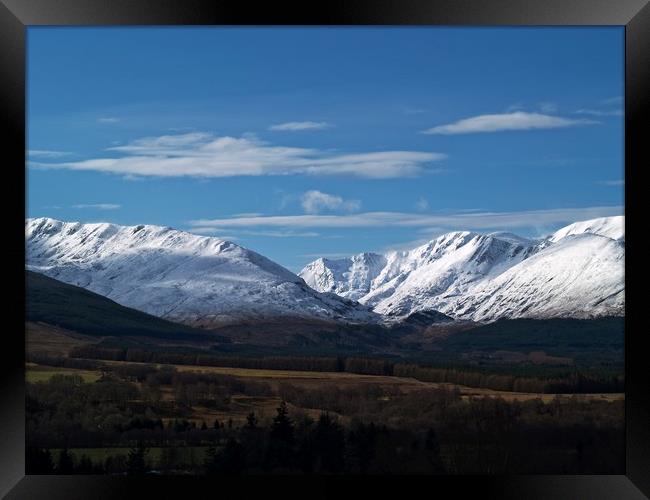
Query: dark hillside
x=53, y=302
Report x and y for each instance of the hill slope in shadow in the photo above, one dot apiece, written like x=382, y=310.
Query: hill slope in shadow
x=74, y=308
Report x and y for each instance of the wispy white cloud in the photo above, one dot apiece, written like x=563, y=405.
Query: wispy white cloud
x=413, y=111
x=612, y=106
x=452, y=221
x=551, y=162
x=248, y=214
x=97, y=206
x=405, y=246
x=517, y=106
x=600, y=112
x=297, y=126
x=326, y=255
x=422, y=204
x=205, y=230
x=612, y=100
x=180, y=129
x=281, y=234
x=548, y=107
x=43, y=153
x=617, y=182
x=315, y=201
x=170, y=144
x=108, y=119
x=203, y=155
x=213, y=231
x=238, y=233
x=517, y=120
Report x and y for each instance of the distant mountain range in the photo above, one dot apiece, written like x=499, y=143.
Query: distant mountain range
x=576, y=272
x=209, y=282
x=197, y=280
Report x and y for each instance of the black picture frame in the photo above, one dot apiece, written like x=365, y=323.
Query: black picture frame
x=17, y=15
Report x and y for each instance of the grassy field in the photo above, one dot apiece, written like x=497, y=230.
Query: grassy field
x=344, y=379
x=308, y=380
x=52, y=340
x=191, y=455
x=35, y=373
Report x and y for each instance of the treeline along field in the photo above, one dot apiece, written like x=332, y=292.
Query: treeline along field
x=149, y=414
x=521, y=378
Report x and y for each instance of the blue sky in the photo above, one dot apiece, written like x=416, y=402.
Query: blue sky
x=304, y=142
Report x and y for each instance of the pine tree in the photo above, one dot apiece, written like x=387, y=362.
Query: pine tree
x=136, y=460
x=210, y=462
x=229, y=461
x=64, y=465
x=282, y=427
x=251, y=421
x=280, y=452
x=432, y=447
x=169, y=458
x=232, y=460
x=329, y=442
x=85, y=465
x=38, y=461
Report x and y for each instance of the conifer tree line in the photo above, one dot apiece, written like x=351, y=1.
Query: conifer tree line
x=569, y=382
x=327, y=429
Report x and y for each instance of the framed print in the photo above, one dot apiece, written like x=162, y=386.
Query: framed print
x=267, y=245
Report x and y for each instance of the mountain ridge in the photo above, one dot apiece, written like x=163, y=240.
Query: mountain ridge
x=458, y=274
x=186, y=278
x=211, y=282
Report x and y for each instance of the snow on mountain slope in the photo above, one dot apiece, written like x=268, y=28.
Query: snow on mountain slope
x=426, y=278
x=472, y=276
x=350, y=278
x=177, y=275
x=581, y=276
x=612, y=227
x=433, y=276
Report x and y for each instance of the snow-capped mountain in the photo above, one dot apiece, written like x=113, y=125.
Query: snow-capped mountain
x=612, y=227
x=581, y=276
x=176, y=275
x=351, y=278
x=429, y=277
x=576, y=272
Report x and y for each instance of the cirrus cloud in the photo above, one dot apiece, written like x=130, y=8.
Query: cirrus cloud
x=245, y=232
x=315, y=201
x=45, y=153
x=204, y=155
x=297, y=126
x=615, y=182
x=97, y=206
x=455, y=221
x=600, y=112
x=516, y=120
x=422, y=204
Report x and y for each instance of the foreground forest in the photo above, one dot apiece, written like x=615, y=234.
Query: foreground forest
x=136, y=418
x=548, y=400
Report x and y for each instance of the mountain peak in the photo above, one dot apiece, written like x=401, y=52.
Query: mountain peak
x=209, y=281
x=611, y=227
x=175, y=274
x=448, y=273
